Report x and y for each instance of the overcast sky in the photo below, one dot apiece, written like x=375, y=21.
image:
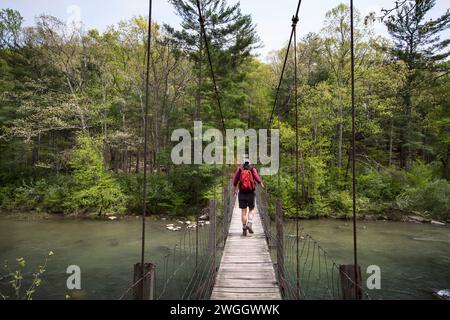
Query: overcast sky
x=272, y=17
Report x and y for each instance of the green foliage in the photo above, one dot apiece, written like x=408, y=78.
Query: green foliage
x=16, y=279
x=162, y=197
x=94, y=190
x=10, y=25
x=46, y=194
x=62, y=91
x=340, y=201
x=432, y=198
x=417, y=190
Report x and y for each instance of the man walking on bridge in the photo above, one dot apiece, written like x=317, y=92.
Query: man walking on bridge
x=246, y=177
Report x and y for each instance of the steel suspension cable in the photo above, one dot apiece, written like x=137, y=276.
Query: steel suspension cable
x=208, y=53
x=216, y=90
x=147, y=107
x=352, y=49
x=294, y=27
x=284, y=67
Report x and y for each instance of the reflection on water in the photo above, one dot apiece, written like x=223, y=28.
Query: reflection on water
x=414, y=259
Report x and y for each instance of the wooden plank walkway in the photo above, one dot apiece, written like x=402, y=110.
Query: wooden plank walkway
x=246, y=271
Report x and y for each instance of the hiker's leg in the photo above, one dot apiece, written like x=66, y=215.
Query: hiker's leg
x=251, y=213
x=244, y=222
x=243, y=204
x=244, y=216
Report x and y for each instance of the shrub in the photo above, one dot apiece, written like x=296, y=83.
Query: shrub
x=7, y=197
x=419, y=175
x=95, y=190
x=314, y=176
x=434, y=198
x=56, y=193
x=47, y=194
x=340, y=202
x=161, y=197
x=26, y=197
x=131, y=185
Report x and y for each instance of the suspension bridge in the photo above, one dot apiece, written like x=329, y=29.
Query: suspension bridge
x=279, y=261
x=246, y=269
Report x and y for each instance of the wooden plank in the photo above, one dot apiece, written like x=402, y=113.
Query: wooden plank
x=239, y=260
x=252, y=290
x=249, y=276
x=231, y=283
x=245, y=296
x=246, y=271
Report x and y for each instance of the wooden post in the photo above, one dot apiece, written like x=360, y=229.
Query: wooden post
x=148, y=283
x=212, y=232
x=348, y=281
x=280, y=245
x=225, y=214
x=231, y=203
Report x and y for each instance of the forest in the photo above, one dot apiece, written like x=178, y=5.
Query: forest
x=72, y=112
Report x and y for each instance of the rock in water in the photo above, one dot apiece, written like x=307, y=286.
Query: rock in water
x=77, y=295
x=418, y=219
x=172, y=227
x=443, y=294
x=438, y=223
x=112, y=218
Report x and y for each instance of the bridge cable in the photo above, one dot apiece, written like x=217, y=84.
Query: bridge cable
x=352, y=49
x=208, y=53
x=284, y=67
x=216, y=90
x=294, y=27
x=147, y=107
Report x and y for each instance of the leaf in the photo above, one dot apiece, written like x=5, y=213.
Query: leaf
x=21, y=262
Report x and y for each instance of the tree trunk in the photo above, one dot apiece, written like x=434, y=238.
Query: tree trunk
x=138, y=162
x=165, y=96
x=35, y=151
x=341, y=85
x=391, y=141
x=446, y=165
x=156, y=113
x=198, y=98
x=405, y=134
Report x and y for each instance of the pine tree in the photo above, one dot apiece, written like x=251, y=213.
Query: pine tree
x=231, y=36
x=419, y=46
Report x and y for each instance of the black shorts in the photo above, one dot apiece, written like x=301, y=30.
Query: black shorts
x=247, y=200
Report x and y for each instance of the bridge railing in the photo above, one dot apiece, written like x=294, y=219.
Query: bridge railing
x=305, y=270
x=188, y=269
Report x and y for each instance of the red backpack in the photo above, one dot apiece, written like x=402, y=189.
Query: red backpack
x=247, y=182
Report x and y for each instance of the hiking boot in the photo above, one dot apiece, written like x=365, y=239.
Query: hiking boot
x=249, y=227
x=244, y=231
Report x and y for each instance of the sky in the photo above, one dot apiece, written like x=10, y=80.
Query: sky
x=272, y=17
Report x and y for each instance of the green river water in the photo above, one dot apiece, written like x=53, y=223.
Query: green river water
x=414, y=258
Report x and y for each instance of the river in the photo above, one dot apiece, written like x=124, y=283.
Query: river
x=414, y=258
